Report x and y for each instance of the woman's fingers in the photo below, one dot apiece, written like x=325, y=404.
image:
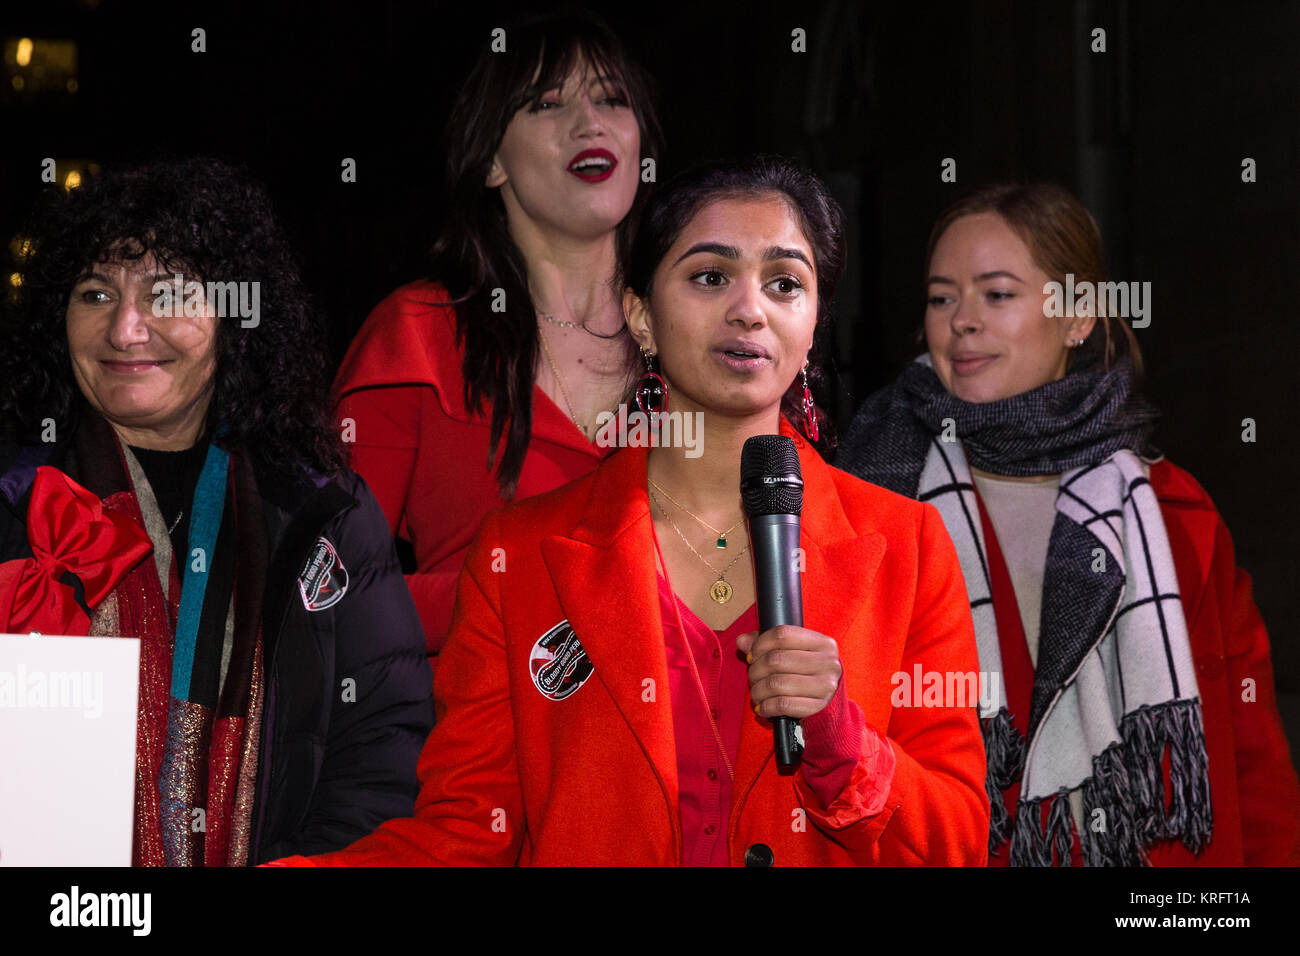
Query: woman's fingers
x=793, y=671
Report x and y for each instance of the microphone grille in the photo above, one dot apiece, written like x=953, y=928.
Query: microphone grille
x=771, y=482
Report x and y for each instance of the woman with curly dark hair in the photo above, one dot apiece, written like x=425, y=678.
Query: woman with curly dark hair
x=486, y=382
x=164, y=388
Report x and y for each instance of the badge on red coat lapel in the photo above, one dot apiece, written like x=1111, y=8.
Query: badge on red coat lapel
x=559, y=663
x=323, y=580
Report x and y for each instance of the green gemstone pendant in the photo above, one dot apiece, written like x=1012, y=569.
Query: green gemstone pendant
x=722, y=542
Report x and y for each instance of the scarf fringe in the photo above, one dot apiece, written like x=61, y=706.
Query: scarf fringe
x=1127, y=785
x=1004, y=750
x=1120, y=841
x=1187, y=814
x=1031, y=845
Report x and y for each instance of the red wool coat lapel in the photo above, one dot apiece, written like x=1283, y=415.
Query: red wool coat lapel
x=621, y=626
x=517, y=772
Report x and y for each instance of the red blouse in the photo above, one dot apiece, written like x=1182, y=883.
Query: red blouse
x=707, y=714
x=704, y=784
x=401, y=409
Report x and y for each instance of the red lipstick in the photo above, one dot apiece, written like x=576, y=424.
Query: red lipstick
x=593, y=165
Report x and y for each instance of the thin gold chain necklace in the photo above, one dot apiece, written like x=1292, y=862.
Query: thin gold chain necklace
x=720, y=591
x=721, y=535
x=690, y=656
x=564, y=392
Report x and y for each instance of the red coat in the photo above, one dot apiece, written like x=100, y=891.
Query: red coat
x=1252, y=783
x=421, y=452
x=511, y=775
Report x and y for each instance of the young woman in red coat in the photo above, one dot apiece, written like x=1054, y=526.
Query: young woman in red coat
x=484, y=385
x=604, y=698
x=1139, y=723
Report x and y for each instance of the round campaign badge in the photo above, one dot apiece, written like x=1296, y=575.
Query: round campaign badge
x=559, y=663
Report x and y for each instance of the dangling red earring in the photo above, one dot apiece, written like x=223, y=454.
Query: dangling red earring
x=651, y=390
x=809, y=409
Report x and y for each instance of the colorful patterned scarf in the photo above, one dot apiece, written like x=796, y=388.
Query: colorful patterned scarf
x=199, y=625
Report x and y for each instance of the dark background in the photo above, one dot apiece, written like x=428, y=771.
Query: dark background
x=1151, y=134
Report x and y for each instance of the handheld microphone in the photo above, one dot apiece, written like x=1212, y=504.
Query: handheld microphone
x=771, y=486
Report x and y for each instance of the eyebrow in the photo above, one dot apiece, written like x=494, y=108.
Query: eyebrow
x=606, y=81
x=100, y=277
x=770, y=254
x=982, y=277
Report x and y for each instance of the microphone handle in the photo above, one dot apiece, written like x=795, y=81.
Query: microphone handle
x=773, y=541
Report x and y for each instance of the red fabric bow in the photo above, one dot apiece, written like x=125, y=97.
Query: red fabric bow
x=68, y=530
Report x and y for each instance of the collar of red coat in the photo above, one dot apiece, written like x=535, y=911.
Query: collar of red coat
x=620, y=624
x=410, y=339
x=614, y=504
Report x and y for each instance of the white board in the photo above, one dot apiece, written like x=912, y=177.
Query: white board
x=67, y=749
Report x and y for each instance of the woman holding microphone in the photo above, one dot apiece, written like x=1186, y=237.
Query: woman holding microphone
x=601, y=700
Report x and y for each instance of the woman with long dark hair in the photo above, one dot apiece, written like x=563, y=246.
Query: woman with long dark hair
x=604, y=695
x=485, y=383
x=1139, y=723
x=170, y=473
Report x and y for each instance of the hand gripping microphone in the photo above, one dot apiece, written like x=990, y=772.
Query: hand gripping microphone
x=771, y=487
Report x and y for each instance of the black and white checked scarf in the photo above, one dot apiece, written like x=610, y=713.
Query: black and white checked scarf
x=1114, y=685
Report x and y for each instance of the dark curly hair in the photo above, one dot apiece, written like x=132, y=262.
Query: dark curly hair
x=212, y=222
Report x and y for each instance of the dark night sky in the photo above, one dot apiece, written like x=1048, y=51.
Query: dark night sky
x=1151, y=134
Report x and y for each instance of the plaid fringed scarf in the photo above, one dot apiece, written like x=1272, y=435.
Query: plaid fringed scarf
x=1114, y=689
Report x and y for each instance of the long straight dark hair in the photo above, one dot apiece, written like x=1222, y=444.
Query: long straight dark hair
x=475, y=254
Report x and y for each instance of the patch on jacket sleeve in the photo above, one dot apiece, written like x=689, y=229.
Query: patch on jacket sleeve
x=559, y=663
x=323, y=580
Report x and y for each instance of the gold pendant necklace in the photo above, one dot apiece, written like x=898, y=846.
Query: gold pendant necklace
x=695, y=671
x=720, y=591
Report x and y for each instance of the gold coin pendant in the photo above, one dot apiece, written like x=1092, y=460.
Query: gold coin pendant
x=720, y=592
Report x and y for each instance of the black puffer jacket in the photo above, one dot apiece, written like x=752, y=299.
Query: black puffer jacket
x=337, y=758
